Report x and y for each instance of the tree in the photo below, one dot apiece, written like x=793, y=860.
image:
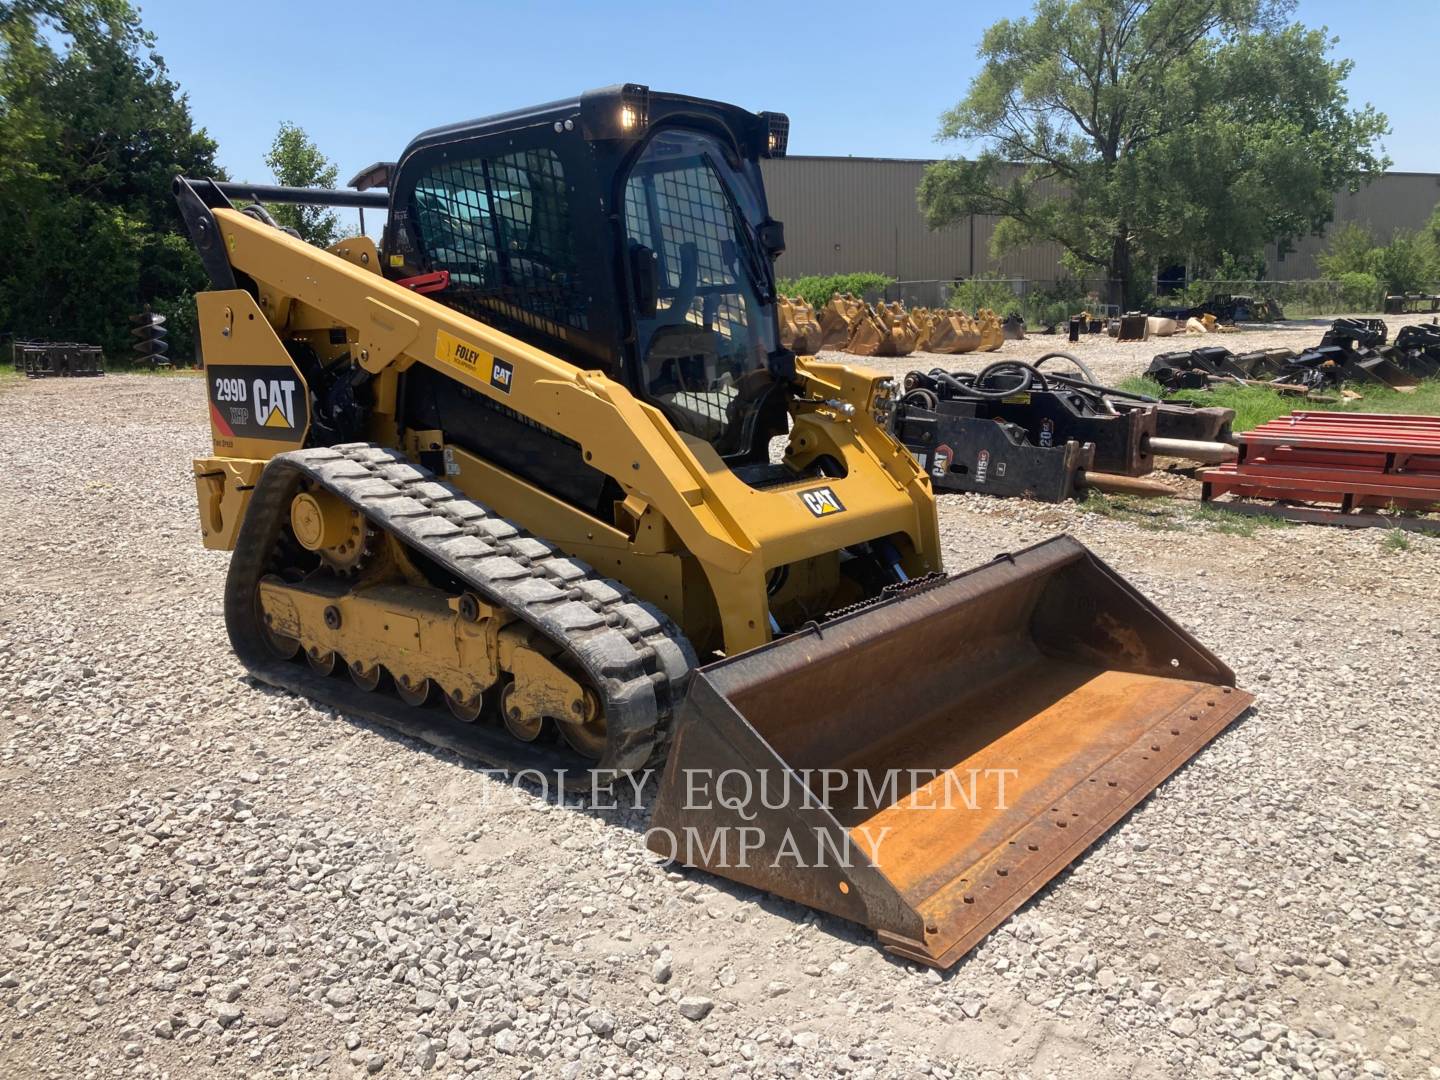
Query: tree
x=1351, y=251
x=92, y=132
x=297, y=162
x=1407, y=263
x=1131, y=132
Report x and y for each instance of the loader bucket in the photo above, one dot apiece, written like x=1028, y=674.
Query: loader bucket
x=925, y=764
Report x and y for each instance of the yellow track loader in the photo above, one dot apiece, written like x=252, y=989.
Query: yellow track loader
x=533, y=479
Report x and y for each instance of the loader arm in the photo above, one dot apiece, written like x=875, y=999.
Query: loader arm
x=735, y=532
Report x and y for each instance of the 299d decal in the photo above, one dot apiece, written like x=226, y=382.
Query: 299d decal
x=251, y=401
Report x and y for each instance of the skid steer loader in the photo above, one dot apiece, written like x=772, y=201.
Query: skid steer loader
x=505, y=482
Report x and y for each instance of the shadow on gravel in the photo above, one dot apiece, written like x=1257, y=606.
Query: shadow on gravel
x=629, y=808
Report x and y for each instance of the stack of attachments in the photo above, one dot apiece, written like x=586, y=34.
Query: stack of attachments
x=1013, y=429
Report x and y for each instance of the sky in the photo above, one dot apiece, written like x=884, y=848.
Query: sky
x=858, y=79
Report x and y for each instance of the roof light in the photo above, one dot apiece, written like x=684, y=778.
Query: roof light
x=634, y=108
x=777, y=133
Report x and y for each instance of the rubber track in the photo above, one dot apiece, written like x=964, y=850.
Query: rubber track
x=633, y=655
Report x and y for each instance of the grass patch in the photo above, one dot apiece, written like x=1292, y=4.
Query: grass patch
x=8, y=372
x=1221, y=520
x=1256, y=405
x=1395, y=540
x=1173, y=515
x=1156, y=515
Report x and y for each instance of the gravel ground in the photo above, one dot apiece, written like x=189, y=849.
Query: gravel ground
x=202, y=877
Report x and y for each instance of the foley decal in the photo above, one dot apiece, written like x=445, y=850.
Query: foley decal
x=822, y=501
x=254, y=401
x=449, y=349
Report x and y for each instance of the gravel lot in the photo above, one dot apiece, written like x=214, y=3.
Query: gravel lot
x=201, y=877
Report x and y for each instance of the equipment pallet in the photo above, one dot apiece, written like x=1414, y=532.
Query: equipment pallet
x=1351, y=461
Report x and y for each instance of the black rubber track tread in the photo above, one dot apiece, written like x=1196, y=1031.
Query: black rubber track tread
x=633, y=655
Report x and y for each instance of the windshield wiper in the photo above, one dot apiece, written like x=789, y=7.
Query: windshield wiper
x=753, y=256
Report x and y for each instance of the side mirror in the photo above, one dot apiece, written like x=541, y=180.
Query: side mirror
x=772, y=237
x=644, y=280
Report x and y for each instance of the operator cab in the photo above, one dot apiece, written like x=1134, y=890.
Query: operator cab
x=622, y=231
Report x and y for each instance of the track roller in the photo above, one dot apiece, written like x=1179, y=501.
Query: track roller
x=321, y=661
x=366, y=677
x=412, y=691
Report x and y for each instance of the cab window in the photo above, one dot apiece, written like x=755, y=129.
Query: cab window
x=501, y=227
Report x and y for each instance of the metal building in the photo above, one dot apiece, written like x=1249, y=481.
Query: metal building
x=846, y=214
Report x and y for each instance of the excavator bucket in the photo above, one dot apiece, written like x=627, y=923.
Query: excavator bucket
x=799, y=331
x=884, y=330
x=992, y=334
x=838, y=320
x=807, y=328
x=922, y=321
x=925, y=764
x=954, y=332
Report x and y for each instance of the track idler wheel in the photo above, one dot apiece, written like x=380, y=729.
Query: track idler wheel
x=586, y=736
x=283, y=647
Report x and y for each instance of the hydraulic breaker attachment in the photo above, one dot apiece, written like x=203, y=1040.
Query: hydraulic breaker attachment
x=1181, y=419
x=1121, y=439
x=963, y=452
x=924, y=764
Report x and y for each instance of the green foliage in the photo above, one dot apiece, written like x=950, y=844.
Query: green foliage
x=1350, y=251
x=1296, y=299
x=1050, y=306
x=1256, y=405
x=1153, y=515
x=1154, y=130
x=1231, y=523
x=1360, y=291
x=1232, y=267
x=92, y=132
x=1410, y=262
x=1407, y=263
x=297, y=162
x=978, y=293
x=1395, y=540
x=817, y=290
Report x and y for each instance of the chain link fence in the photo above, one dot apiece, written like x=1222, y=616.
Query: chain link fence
x=1042, y=303
x=1285, y=299
x=1051, y=302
